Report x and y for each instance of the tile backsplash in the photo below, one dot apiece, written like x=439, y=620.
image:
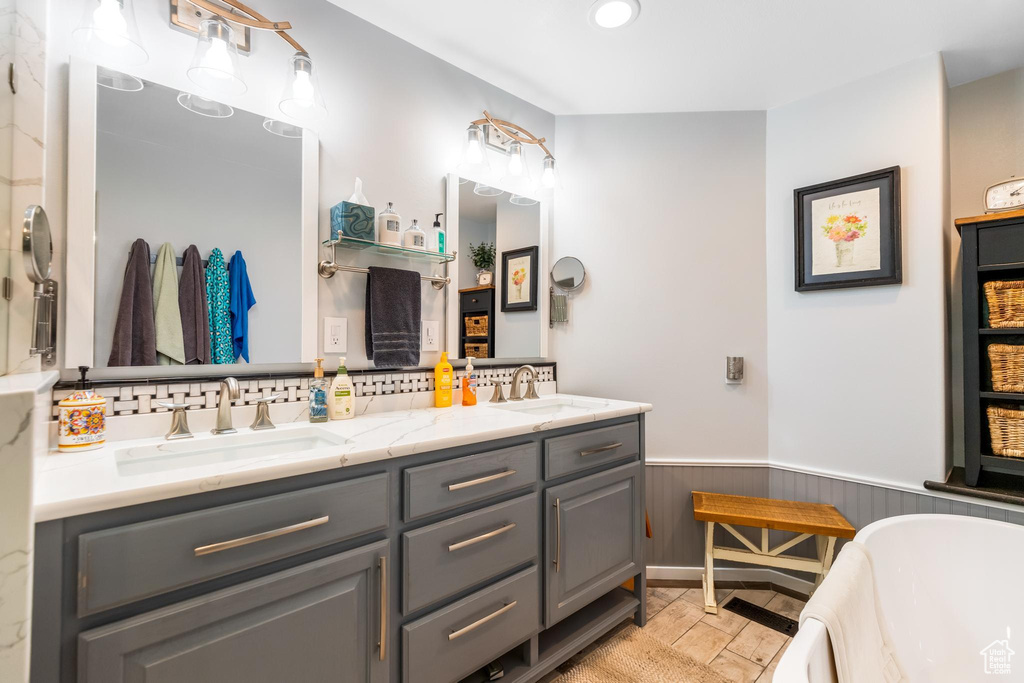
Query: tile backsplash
x=136, y=398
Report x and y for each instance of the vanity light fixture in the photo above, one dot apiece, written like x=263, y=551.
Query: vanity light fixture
x=214, y=65
x=205, y=107
x=517, y=171
x=108, y=33
x=282, y=128
x=611, y=14
x=301, y=98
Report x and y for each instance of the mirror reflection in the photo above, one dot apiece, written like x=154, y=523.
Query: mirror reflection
x=499, y=275
x=198, y=232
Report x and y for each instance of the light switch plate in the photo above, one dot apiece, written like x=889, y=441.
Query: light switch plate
x=335, y=335
x=431, y=335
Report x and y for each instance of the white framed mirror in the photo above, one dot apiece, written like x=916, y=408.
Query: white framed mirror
x=504, y=317
x=142, y=165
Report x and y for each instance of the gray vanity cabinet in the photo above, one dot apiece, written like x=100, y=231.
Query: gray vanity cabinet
x=320, y=621
x=593, y=535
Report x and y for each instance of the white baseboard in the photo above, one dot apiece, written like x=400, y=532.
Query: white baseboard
x=733, y=574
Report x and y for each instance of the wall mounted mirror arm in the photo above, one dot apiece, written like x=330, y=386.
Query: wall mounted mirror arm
x=37, y=253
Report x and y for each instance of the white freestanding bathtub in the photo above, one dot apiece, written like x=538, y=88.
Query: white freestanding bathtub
x=949, y=588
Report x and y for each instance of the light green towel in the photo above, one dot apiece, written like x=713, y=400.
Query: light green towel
x=170, y=342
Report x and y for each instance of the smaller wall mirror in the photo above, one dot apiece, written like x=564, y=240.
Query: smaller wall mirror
x=568, y=274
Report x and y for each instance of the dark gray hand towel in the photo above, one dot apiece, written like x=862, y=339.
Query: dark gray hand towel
x=393, y=318
x=195, y=318
x=135, y=328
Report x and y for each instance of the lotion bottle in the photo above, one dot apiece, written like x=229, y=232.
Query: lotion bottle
x=342, y=396
x=469, y=385
x=443, y=373
x=389, y=230
x=318, y=394
x=414, y=237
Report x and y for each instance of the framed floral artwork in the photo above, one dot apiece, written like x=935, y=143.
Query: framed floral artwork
x=848, y=232
x=519, y=280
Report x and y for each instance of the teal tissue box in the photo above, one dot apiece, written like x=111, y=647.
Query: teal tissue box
x=352, y=220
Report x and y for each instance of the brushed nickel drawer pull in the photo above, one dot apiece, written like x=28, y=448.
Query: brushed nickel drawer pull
x=481, y=480
x=602, y=449
x=383, y=642
x=256, y=538
x=476, y=624
x=558, y=532
x=481, y=537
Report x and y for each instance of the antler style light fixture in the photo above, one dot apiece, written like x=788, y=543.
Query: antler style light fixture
x=516, y=175
x=110, y=35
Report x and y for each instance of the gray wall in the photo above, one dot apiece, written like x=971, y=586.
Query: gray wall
x=397, y=118
x=154, y=165
x=678, y=540
x=986, y=146
x=473, y=232
x=666, y=212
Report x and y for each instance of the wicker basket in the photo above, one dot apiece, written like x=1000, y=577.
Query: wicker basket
x=476, y=351
x=476, y=325
x=1007, y=367
x=1005, y=303
x=1006, y=426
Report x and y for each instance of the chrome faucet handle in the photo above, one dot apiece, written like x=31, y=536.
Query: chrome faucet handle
x=531, y=389
x=179, y=421
x=499, y=394
x=262, y=420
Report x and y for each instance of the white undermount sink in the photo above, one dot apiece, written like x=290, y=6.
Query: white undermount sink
x=173, y=455
x=550, y=406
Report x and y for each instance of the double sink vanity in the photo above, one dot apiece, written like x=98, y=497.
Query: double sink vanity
x=415, y=546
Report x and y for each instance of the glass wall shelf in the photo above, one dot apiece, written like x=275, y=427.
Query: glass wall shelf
x=388, y=249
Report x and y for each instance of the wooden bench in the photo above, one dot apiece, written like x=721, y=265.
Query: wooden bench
x=822, y=521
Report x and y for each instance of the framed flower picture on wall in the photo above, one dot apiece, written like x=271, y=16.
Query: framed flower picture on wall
x=848, y=232
x=519, y=280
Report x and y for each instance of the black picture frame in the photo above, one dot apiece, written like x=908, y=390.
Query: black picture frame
x=890, y=270
x=530, y=305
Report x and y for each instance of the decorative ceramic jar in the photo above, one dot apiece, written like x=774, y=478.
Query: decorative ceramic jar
x=81, y=420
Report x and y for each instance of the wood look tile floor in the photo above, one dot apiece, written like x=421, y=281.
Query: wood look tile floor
x=741, y=650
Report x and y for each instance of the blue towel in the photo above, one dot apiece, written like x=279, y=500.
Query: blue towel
x=217, y=301
x=241, y=301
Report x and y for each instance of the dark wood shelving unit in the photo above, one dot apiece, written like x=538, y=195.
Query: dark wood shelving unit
x=992, y=248
x=476, y=301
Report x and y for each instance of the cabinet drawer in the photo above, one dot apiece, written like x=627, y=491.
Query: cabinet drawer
x=319, y=621
x=1003, y=244
x=451, y=643
x=444, y=558
x=447, y=485
x=576, y=452
x=124, y=564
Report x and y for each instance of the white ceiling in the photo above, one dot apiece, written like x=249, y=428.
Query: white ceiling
x=696, y=55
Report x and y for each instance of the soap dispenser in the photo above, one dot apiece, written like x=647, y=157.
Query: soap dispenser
x=81, y=421
x=318, y=394
x=389, y=229
x=469, y=383
x=414, y=237
x=437, y=236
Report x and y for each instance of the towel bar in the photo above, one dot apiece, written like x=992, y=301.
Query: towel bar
x=327, y=269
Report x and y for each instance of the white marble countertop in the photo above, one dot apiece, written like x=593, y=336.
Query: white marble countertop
x=143, y=470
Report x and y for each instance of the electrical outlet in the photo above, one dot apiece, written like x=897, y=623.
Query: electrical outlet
x=335, y=335
x=431, y=335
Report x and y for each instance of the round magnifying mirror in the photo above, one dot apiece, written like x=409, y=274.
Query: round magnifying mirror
x=568, y=273
x=36, y=245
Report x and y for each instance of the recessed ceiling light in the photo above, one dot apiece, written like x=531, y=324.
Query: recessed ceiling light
x=613, y=13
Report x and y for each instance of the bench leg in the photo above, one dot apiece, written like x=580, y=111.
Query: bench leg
x=826, y=551
x=710, y=604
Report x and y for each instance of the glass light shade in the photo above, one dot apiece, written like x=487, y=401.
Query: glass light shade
x=549, y=176
x=517, y=173
x=302, y=98
x=115, y=80
x=108, y=34
x=285, y=130
x=204, y=106
x=474, y=153
x=214, y=65
x=486, y=190
x=520, y=200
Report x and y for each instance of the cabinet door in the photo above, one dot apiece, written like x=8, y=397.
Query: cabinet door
x=593, y=538
x=317, y=622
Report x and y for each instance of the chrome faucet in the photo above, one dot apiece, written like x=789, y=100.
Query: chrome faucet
x=531, y=389
x=228, y=393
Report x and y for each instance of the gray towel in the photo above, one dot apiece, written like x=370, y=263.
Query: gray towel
x=135, y=329
x=195, y=318
x=393, y=318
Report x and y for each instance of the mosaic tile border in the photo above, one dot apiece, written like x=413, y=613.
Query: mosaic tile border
x=136, y=398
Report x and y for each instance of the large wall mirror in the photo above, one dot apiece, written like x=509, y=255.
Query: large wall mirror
x=155, y=164
x=498, y=309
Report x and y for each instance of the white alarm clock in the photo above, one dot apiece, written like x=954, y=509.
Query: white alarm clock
x=1005, y=196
